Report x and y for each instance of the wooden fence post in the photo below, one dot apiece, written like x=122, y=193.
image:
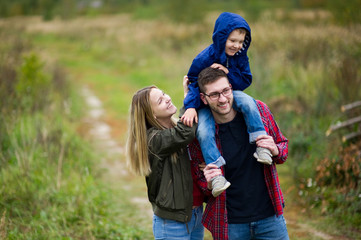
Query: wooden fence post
x=349, y=122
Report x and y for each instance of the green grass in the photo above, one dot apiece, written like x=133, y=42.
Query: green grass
x=115, y=56
x=114, y=76
x=51, y=187
x=50, y=175
x=292, y=79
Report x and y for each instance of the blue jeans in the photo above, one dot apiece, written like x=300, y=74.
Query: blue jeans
x=206, y=127
x=166, y=229
x=270, y=228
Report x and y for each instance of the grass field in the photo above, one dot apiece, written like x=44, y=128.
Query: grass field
x=296, y=72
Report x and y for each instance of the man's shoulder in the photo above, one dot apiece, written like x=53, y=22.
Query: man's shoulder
x=263, y=108
x=261, y=104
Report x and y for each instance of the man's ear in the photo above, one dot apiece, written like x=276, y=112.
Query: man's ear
x=203, y=98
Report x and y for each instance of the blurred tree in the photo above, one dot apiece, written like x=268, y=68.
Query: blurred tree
x=47, y=8
x=345, y=13
x=185, y=10
x=67, y=9
x=4, y=9
x=116, y=6
x=296, y=3
x=313, y=3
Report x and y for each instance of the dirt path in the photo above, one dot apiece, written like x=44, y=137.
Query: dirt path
x=113, y=160
x=113, y=164
x=300, y=228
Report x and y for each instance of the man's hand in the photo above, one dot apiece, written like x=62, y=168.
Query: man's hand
x=185, y=85
x=266, y=141
x=220, y=66
x=189, y=116
x=211, y=171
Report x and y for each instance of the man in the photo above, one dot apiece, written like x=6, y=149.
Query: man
x=252, y=207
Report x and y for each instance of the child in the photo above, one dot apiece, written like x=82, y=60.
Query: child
x=231, y=40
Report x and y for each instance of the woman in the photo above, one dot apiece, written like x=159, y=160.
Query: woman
x=157, y=149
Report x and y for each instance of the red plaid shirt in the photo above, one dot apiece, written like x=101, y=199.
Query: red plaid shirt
x=215, y=213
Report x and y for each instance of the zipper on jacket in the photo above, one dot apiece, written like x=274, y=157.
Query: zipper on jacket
x=189, y=153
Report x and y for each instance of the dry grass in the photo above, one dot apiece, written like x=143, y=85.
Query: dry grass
x=3, y=226
x=122, y=27
x=297, y=15
x=292, y=53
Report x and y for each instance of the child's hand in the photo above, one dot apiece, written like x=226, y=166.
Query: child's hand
x=220, y=66
x=189, y=116
x=185, y=85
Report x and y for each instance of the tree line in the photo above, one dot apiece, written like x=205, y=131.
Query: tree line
x=177, y=10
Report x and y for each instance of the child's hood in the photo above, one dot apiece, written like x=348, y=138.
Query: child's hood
x=225, y=24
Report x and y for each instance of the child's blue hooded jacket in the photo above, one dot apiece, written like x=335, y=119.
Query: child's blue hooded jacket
x=238, y=65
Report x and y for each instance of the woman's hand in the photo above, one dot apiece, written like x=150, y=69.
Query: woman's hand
x=185, y=85
x=189, y=116
x=202, y=166
x=220, y=66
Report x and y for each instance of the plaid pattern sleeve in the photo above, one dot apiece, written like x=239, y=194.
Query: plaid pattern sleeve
x=196, y=159
x=270, y=172
x=215, y=214
x=273, y=130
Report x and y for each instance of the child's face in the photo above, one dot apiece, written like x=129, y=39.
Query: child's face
x=234, y=42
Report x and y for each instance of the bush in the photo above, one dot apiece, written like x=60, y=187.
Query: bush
x=11, y=50
x=338, y=185
x=343, y=172
x=33, y=86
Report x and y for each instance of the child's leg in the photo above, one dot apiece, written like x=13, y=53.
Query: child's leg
x=248, y=106
x=206, y=137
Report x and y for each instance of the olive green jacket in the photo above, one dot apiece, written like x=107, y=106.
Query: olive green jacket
x=170, y=185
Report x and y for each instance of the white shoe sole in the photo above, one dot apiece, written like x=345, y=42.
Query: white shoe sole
x=217, y=192
x=264, y=161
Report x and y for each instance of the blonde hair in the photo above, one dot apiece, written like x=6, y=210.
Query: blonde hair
x=141, y=118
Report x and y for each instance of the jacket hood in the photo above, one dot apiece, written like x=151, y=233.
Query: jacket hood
x=225, y=24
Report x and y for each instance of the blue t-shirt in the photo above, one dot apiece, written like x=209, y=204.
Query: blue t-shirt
x=247, y=197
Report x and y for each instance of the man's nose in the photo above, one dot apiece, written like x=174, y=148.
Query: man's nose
x=222, y=97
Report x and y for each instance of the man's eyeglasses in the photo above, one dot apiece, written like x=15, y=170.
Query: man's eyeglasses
x=214, y=96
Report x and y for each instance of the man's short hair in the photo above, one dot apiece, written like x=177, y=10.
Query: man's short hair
x=209, y=75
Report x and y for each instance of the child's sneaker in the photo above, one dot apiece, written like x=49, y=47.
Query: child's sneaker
x=219, y=184
x=263, y=155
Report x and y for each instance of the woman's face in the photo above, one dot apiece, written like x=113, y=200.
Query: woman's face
x=161, y=104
